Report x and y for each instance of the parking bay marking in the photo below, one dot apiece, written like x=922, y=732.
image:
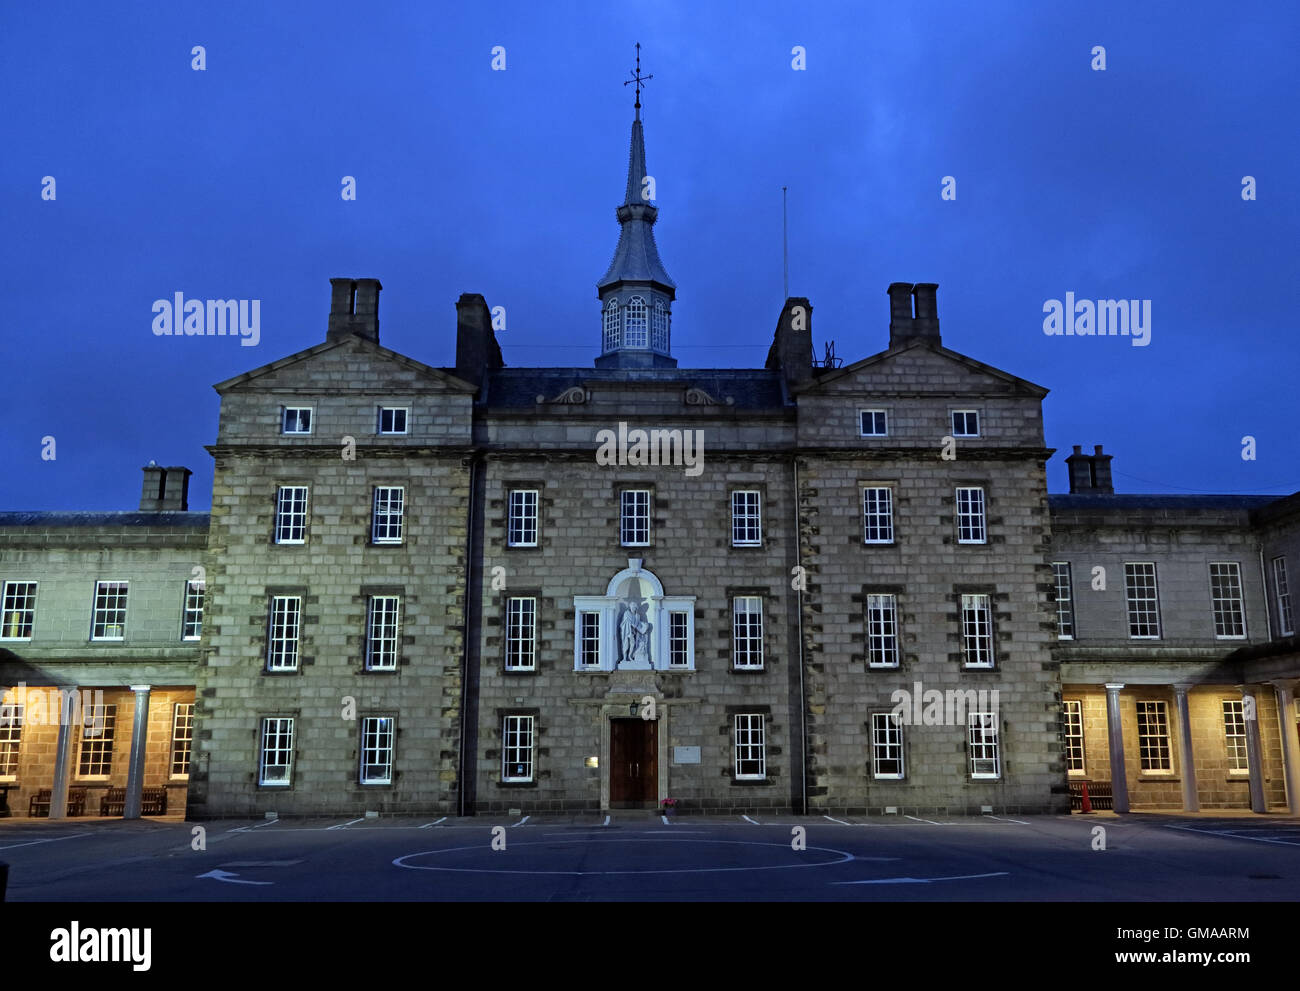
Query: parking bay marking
x=924, y=880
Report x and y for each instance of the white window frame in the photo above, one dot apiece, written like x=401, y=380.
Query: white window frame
x=1153, y=736
x=747, y=634
x=388, y=519
x=612, y=327
x=636, y=323
x=883, y=422
x=276, y=739
x=376, y=750
x=632, y=505
x=984, y=744
x=588, y=639
x=877, y=514
x=971, y=505
x=19, y=600
x=1073, y=715
x=882, y=630
x=964, y=413
x=101, y=612
x=680, y=644
x=394, y=410
x=1063, y=581
x=522, y=523
x=521, y=633
x=383, y=632
x=283, y=633
x=98, y=730
x=1282, y=591
x=1141, y=607
x=1227, y=600
x=290, y=516
x=285, y=411
x=659, y=338
x=12, y=717
x=749, y=741
x=977, y=635
x=192, y=610
x=1234, y=736
x=887, y=745
x=746, y=518
x=182, y=738
x=518, y=748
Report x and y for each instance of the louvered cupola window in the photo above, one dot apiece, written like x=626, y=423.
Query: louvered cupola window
x=611, y=325
x=634, y=332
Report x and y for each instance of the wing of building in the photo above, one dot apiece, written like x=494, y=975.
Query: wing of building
x=801, y=587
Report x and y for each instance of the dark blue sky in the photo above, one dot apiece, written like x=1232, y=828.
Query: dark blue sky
x=225, y=184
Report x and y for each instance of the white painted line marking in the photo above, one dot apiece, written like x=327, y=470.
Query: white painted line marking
x=1233, y=835
x=52, y=839
x=245, y=829
x=840, y=821
x=606, y=820
x=999, y=819
x=924, y=880
x=342, y=824
x=747, y=819
x=434, y=823
x=229, y=878
x=521, y=821
x=930, y=821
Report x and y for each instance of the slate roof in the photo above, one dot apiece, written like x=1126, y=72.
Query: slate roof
x=39, y=518
x=1180, y=503
x=751, y=388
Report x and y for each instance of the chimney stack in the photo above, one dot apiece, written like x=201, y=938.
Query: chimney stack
x=151, y=495
x=906, y=326
x=166, y=490
x=354, y=309
x=477, y=350
x=791, y=352
x=1089, y=473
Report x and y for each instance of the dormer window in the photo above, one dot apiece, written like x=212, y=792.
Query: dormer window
x=612, y=327
x=634, y=331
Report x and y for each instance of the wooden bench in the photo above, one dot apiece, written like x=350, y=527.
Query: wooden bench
x=40, y=802
x=1099, y=795
x=113, y=803
x=153, y=802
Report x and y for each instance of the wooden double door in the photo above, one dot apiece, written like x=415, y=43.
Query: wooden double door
x=633, y=763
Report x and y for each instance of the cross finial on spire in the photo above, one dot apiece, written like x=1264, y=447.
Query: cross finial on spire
x=639, y=79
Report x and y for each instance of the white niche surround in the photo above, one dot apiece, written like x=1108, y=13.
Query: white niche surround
x=634, y=623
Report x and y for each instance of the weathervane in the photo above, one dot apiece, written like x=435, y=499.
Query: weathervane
x=638, y=79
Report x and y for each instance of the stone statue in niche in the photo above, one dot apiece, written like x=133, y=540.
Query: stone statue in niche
x=634, y=636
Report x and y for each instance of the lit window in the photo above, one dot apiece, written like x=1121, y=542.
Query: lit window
x=873, y=423
x=1143, y=600
x=747, y=632
x=985, y=756
x=392, y=419
x=746, y=519
x=977, y=630
x=965, y=423
x=390, y=506
x=291, y=514
x=517, y=749
x=282, y=639
x=377, y=735
x=877, y=515
x=521, y=524
x=192, y=614
x=296, y=420
x=275, y=768
x=1234, y=734
x=98, y=723
x=1073, y=735
x=1153, y=736
x=521, y=634
x=1226, y=599
x=634, y=517
x=383, y=616
x=751, y=746
x=886, y=746
x=19, y=611
x=1064, y=600
x=182, y=738
x=970, y=516
x=110, y=611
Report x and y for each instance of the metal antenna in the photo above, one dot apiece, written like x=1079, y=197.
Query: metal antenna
x=638, y=79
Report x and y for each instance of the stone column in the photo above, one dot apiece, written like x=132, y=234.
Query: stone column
x=1191, y=801
x=135, y=769
x=69, y=709
x=1118, y=774
x=1250, y=707
x=1290, y=751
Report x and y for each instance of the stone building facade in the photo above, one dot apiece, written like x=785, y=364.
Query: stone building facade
x=802, y=587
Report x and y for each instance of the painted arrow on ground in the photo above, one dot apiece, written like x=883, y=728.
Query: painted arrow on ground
x=923, y=880
x=229, y=878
